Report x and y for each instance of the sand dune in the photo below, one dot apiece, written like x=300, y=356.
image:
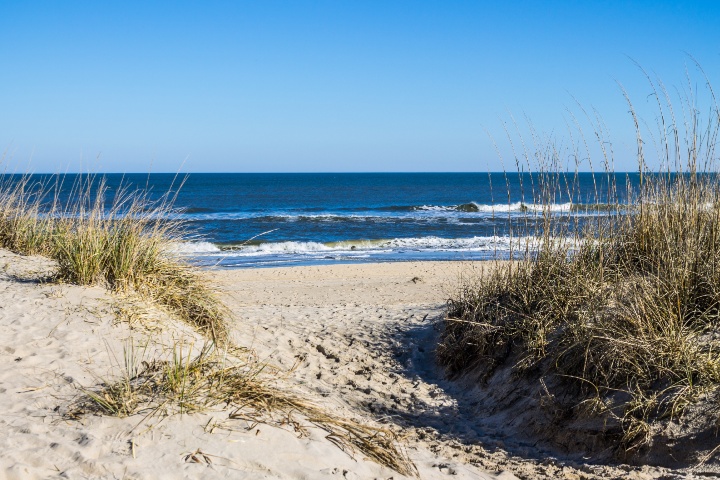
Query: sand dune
x=59, y=339
x=354, y=339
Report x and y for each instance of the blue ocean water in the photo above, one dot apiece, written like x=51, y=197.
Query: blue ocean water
x=252, y=220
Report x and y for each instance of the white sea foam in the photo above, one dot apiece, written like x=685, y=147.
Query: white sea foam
x=460, y=244
x=526, y=207
x=363, y=248
x=283, y=247
x=194, y=248
x=473, y=207
x=438, y=208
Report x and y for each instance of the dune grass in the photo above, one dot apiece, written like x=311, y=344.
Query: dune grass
x=124, y=242
x=624, y=311
x=193, y=380
x=22, y=227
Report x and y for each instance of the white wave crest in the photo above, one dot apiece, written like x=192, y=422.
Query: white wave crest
x=362, y=248
x=193, y=248
x=438, y=208
x=284, y=247
x=460, y=244
x=526, y=207
x=498, y=207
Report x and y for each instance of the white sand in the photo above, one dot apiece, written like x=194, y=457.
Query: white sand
x=359, y=336
x=59, y=338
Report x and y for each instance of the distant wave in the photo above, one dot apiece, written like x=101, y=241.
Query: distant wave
x=401, y=213
x=475, y=207
x=395, y=212
x=501, y=207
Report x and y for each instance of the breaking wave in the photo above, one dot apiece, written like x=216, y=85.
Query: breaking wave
x=418, y=212
x=361, y=247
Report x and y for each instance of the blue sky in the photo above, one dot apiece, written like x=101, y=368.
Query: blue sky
x=326, y=85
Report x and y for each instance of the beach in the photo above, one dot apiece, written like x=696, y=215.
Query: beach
x=357, y=240
x=63, y=338
x=356, y=340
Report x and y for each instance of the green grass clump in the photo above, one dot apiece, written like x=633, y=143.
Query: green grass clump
x=23, y=229
x=625, y=312
x=126, y=245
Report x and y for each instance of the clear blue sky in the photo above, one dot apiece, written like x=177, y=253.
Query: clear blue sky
x=325, y=85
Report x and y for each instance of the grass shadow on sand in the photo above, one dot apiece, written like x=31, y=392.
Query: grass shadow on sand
x=454, y=411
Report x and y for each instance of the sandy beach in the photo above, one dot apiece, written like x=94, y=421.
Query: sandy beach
x=360, y=240
x=355, y=339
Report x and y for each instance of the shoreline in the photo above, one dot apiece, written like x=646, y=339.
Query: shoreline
x=234, y=262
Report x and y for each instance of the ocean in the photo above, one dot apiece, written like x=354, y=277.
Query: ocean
x=242, y=220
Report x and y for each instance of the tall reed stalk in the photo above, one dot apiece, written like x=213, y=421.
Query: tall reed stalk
x=623, y=310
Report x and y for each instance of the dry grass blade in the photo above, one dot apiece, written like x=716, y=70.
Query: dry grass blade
x=194, y=382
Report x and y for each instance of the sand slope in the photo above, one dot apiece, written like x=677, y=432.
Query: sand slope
x=58, y=339
x=362, y=336
x=355, y=339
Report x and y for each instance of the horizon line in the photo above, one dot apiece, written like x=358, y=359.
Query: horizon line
x=335, y=173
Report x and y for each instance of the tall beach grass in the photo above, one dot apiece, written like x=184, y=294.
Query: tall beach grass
x=622, y=311
x=120, y=239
